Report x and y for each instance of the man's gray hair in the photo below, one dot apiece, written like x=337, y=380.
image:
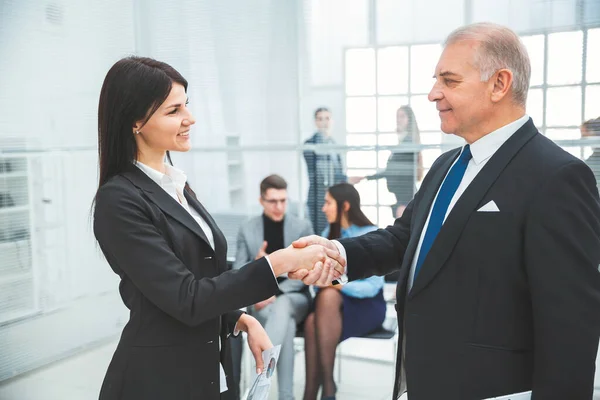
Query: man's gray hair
x=499, y=48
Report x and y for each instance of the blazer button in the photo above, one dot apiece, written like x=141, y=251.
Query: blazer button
x=208, y=258
x=210, y=341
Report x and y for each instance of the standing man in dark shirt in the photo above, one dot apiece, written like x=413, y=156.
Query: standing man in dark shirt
x=262, y=235
x=324, y=169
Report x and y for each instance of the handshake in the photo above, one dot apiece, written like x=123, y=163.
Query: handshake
x=312, y=259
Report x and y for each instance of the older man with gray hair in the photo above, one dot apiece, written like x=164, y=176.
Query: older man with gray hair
x=498, y=252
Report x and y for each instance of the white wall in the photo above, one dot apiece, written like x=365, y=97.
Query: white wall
x=54, y=58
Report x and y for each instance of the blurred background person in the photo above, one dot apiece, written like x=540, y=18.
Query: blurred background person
x=404, y=168
x=324, y=169
x=341, y=311
x=591, y=128
x=276, y=229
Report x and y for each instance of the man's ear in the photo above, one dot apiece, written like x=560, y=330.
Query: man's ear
x=502, y=81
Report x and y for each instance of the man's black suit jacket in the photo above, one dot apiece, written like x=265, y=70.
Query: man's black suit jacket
x=181, y=296
x=505, y=301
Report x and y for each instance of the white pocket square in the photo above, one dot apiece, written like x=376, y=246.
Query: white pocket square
x=489, y=207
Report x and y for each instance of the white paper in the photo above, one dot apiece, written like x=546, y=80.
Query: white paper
x=261, y=384
x=514, y=396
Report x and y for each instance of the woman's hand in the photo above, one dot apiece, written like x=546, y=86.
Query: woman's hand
x=258, y=341
x=307, y=258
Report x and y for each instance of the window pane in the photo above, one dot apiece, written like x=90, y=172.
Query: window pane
x=535, y=48
x=567, y=134
x=392, y=70
x=370, y=212
x=387, y=107
x=429, y=156
x=361, y=159
x=423, y=60
x=385, y=217
x=388, y=139
x=535, y=106
x=431, y=137
x=593, y=56
x=564, y=106
x=592, y=102
x=564, y=57
x=426, y=114
x=361, y=139
x=368, y=192
x=385, y=197
x=360, y=72
x=382, y=158
x=360, y=114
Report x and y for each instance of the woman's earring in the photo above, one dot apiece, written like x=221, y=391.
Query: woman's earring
x=137, y=132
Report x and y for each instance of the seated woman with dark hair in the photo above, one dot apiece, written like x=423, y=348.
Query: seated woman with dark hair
x=341, y=311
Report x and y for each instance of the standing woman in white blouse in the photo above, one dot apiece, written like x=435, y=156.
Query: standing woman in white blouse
x=168, y=251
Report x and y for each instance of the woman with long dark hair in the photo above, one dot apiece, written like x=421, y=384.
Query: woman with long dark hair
x=167, y=249
x=341, y=312
x=403, y=168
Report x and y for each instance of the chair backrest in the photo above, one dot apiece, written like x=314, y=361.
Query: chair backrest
x=230, y=223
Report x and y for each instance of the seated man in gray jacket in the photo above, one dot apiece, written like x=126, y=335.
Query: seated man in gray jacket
x=264, y=234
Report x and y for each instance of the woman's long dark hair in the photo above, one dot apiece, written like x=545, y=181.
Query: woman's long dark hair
x=341, y=193
x=412, y=128
x=134, y=88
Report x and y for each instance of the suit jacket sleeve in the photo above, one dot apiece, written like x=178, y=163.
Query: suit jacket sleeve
x=242, y=254
x=562, y=253
x=135, y=248
x=232, y=318
x=379, y=252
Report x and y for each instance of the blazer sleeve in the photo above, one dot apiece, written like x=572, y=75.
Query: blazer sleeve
x=242, y=253
x=379, y=252
x=135, y=248
x=562, y=254
x=232, y=318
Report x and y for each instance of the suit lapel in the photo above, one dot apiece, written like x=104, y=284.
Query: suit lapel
x=164, y=201
x=218, y=237
x=455, y=222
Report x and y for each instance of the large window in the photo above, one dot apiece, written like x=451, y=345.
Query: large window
x=564, y=91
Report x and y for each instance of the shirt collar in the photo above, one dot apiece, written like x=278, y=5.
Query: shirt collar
x=486, y=146
x=173, y=175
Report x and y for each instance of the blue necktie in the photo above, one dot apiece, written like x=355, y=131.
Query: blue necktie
x=442, y=202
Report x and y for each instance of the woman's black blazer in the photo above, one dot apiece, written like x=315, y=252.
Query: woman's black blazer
x=181, y=296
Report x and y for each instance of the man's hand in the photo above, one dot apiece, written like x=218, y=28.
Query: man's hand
x=260, y=305
x=314, y=239
x=319, y=275
x=263, y=251
x=326, y=260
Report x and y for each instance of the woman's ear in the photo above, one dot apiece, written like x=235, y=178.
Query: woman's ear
x=346, y=206
x=136, y=127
